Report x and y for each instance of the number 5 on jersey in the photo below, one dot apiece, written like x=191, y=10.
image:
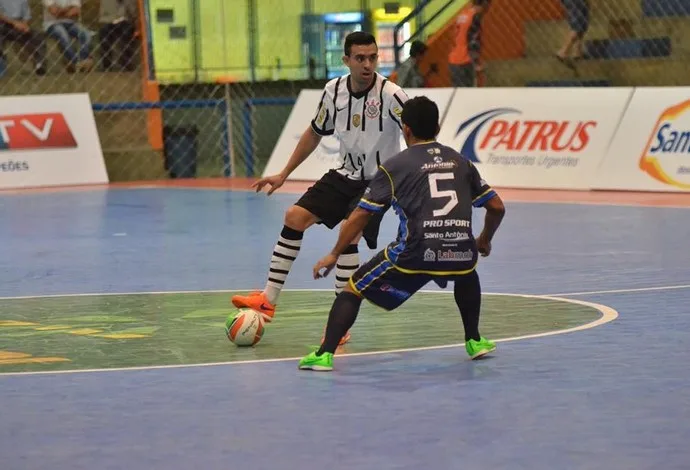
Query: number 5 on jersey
x=434, y=178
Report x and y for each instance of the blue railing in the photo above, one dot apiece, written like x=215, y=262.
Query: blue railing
x=247, y=125
x=249, y=105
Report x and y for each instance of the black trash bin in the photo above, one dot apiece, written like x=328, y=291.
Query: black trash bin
x=180, y=150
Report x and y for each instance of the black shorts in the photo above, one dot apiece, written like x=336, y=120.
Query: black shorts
x=382, y=284
x=333, y=197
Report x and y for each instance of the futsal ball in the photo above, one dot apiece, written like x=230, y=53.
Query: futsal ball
x=245, y=328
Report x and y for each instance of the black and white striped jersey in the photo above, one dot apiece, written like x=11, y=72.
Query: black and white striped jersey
x=366, y=123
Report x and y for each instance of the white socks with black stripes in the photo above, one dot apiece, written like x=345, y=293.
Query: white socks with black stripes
x=348, y=262
x=284, y=254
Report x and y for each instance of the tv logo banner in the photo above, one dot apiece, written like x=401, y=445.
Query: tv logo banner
x=534, y=137
x=49, y=140
x=35, y=131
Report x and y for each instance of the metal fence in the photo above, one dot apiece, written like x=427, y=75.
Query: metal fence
x=200, y=89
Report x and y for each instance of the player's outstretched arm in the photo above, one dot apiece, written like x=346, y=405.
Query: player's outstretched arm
x=495, y=210
x=306, y=145
x=352, y=227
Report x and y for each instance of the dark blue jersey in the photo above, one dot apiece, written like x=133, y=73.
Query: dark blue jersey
x=432, y=188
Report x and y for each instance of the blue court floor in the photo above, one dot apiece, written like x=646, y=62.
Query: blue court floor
x=616, y=396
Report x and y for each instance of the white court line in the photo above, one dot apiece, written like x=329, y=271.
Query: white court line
x=623, y=291
x=608, y=314
x=227, y=291
x=163, y=292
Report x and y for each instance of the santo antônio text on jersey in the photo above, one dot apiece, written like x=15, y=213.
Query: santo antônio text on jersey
x=432, y=188
x=367, y=123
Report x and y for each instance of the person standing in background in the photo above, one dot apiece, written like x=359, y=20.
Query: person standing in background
x=409, y=74
x=463, y=60
x=577, y=13
x=117, y=33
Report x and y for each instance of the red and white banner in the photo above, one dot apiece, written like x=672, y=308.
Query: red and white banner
x=651, y=150
x=49, y=140
x=551, y=138
x=635, y=139
x=327, y=154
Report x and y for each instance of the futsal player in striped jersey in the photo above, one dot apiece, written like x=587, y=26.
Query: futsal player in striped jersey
x=363, y=110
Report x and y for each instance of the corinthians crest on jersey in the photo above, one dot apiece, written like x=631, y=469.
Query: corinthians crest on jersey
x=367, y=123
x=372, y=108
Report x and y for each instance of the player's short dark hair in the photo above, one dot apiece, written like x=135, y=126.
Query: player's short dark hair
x=417, y=48
x=420, y=114
x=358, y=38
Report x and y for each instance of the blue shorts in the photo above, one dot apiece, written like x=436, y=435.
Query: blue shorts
x=383, y=284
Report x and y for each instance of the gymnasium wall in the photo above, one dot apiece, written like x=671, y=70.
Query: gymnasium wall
x=224, y=35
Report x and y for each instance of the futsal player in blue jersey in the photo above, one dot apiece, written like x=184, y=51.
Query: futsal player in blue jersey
x=432, y=189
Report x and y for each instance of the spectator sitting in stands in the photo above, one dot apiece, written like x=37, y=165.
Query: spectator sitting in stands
x=409, y=75
x=61, y=22
x=118, y=19
x=577, y=12
x=14, y=26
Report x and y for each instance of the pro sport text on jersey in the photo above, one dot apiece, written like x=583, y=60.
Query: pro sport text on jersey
x=432, y=189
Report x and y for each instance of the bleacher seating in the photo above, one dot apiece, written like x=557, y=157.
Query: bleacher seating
x=629, y=42
x=637, y=42
x=103, y=87
x=665, y=8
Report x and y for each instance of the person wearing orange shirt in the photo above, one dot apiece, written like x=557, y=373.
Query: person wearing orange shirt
x=463, y=60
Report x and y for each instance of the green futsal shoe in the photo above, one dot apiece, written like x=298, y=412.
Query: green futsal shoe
x=477, y=349
x=322, y=363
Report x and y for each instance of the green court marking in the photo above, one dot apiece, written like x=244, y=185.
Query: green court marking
x=164, y=329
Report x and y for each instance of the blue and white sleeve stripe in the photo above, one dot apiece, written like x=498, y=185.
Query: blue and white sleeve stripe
x=370, y=205
x=482, y=199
